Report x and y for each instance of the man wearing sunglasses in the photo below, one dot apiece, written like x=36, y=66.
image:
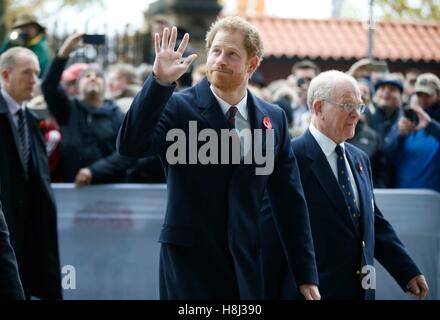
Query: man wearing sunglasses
x=348, y=229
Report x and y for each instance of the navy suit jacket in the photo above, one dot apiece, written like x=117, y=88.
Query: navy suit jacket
x=211, y=236
x=340, y=250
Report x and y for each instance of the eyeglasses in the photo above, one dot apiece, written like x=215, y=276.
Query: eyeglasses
x=349, y=106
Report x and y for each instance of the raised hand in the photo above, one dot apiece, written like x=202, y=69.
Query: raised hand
x=405, y=126
x=72, y=43
x=168, y=65
x=424, y=118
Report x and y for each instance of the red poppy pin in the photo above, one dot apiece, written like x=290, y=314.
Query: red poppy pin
x=267, y=123
x=360, y=167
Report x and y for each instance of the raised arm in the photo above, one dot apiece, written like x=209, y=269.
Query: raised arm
x=58, y=102
x=144, y=129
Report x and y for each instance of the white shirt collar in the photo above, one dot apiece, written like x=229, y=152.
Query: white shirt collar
x=13, y=105
x=241, y=106
x=327, y=145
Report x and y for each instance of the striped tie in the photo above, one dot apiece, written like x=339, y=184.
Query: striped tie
x=346, y=187
x=22, y=132
x=231, y=116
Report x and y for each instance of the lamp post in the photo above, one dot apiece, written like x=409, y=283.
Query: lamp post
x=370, y=30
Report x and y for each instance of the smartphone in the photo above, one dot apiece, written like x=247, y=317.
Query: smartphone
x=410, y=114
x=94, y=39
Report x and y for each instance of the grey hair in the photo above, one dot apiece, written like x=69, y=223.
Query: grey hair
x=126, y=71
x=8, y=58
x=323, y=86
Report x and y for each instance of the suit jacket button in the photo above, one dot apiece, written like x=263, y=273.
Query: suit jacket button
x=358, y=272
x=363, y=244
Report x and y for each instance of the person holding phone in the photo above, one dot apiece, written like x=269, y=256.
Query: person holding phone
x=413, y=145
x=89, y=123
x=387, y=106
x=97, y=39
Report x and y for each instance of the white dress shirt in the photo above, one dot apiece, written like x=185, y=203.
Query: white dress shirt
x=13, y=106
x=328, y=147
x=241, y=120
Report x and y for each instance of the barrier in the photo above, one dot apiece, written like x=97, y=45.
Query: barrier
x=109, y=233
x=415, y=215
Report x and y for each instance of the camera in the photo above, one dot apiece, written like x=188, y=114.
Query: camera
x=410, y=114
x=97, y=39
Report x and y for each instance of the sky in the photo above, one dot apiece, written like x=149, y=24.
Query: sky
x=116, y=14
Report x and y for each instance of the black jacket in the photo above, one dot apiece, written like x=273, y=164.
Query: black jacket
x=29, y=208
x=88, y=134
x=10, y=285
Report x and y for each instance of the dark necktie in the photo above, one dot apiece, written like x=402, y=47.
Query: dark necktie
x=346, y=187
x=22, y=132
x=231, y=116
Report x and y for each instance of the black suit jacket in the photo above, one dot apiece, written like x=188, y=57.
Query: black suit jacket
x=10, y=285
x=340, y=250
x=210, y=237
x=29, y=208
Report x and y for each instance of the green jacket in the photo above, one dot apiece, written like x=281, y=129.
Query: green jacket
x=38, y=45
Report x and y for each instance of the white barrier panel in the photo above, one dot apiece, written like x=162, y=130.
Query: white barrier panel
x=109, y=233
x=415, y=215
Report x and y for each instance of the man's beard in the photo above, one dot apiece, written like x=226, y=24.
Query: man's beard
x=93, y=91
x=225, y=79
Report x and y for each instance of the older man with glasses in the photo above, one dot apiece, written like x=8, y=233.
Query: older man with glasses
x=348, y=229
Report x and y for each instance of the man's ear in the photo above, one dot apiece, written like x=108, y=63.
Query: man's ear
x=253, y=64
x=5, y=74
x=317, y=106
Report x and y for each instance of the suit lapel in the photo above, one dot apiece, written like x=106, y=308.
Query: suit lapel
x=322, y=171
x=5, y=111
x=36, y=139
x=361, y=185
x=256, y=115
x=324, y=174
x=256, y=112
x=209, y=107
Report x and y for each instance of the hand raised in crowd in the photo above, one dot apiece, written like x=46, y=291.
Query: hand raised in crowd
x=406, y=126
x=69, y=45
x=418, y=287
x=424, y=118
x=310, y=291
x=168, y=65
x=83, y=177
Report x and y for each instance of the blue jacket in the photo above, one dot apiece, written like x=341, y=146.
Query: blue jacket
x=210, y=237
x=416, y=157
x=340, y=250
